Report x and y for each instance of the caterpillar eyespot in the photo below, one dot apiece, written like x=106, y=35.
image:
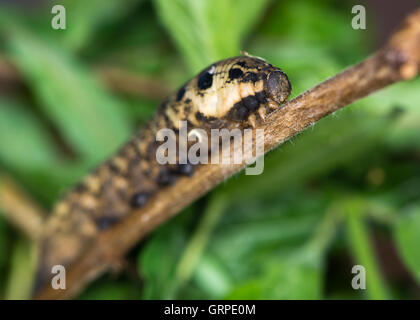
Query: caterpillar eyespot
x=234, y=93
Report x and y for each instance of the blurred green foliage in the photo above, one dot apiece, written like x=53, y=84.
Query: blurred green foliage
x=407, y=238
x=207, y=31
x=323, y=201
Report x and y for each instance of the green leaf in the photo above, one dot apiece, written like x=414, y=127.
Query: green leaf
x=157, y=261
x=212, y=277
x=403, y=97
x=89, y=118
x=109, y=289
x=295, y=277
x=27, y=150
x=250, y=237
x=84, y=18
x=22, y=270
x=293, y=273
x=334, y=141
x=208, y=30
x=407, y=237
x=296, y=59
x=362, y=250
x=269, y=249
x=5, y=244
x=249, y=290
x=314, y=23
x=24, y=145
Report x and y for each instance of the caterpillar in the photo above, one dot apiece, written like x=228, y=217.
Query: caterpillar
x=234, y=93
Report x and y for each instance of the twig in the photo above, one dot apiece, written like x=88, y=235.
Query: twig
x=19, y=209
x=398, y=60
x=116, y=79
x=7, y=70
x=133, y=84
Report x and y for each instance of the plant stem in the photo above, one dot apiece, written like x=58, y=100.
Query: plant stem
x=199, y=239
x=362, y=250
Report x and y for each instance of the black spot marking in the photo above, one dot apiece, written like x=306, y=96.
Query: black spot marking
x=241, y=110
x=168, y=121
x=114, y=168
x=242, y=64
x=201, y=117
x=135, y=148
x=205, y=80
x=139, y=199
x=238, y=112
x=106, y=222
x=186, y=169
x=165, y=177
x=189, y=124
x=250, y=77
x=163, y=105
x=80, y=187
x=251, y=103
x=261, y=97
x=180, y=94
x=187, y=109
x=235, y=73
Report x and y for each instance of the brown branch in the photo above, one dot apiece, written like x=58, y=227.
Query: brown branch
x=8, y=71
x=19, y=209
x=398, y=60
x=122, y=81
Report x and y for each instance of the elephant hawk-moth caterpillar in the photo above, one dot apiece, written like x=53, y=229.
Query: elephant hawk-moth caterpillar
x=232, y=93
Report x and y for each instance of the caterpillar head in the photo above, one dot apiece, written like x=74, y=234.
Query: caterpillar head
x=277, y=86
x=241, y=90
